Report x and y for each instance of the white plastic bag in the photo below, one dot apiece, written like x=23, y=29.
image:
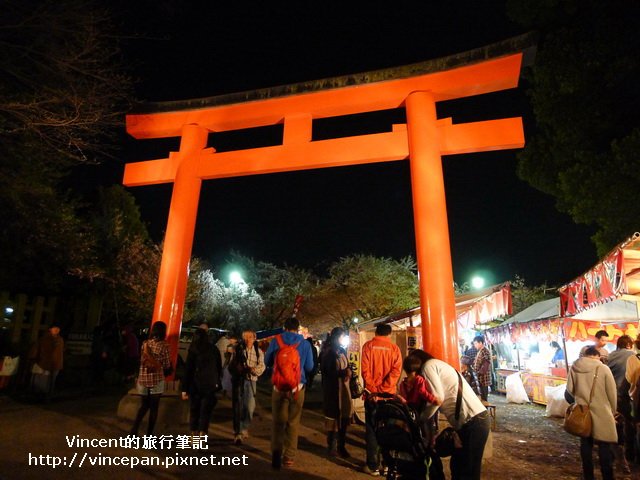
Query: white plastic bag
x=515, y=389
x=556, y=404
x=9, y=366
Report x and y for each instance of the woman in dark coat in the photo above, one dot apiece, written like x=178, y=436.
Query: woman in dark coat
x=334, y=366
x=203, y=378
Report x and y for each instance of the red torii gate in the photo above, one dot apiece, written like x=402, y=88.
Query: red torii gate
x=423, y=140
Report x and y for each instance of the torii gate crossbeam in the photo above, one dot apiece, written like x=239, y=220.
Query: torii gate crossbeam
x=423, y=140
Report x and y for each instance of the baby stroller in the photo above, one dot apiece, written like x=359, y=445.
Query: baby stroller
x=399, y=438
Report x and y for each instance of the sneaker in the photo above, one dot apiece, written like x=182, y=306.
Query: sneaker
x=244, y=434
x=374, y=472
x=287, y=462
x=237, y=439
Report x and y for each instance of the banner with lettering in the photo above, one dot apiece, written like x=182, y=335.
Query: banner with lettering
x=414, y=339
x=603, y=283
x=353, y=352
x=584, y=330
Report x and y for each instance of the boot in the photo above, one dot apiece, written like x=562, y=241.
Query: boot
x=332, y=444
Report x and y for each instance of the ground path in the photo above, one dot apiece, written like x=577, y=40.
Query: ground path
x=526, y=444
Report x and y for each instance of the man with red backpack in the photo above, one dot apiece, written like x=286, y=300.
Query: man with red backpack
x=291, y=358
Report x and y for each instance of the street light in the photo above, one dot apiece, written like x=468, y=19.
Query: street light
x=477, y=282
x=235, y=278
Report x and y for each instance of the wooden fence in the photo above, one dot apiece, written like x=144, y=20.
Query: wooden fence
x=26, y=317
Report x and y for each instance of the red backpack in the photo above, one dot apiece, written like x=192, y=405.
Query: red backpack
x=286, y=367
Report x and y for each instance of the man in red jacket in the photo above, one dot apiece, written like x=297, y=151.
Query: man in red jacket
x=381, y=368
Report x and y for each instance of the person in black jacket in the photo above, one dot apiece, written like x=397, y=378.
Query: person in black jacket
x=202, y=380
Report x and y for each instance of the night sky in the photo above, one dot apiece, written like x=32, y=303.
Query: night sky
x=497, y=222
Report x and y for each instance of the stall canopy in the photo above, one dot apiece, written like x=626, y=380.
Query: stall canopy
x=538, y=311
x=542, y=319
x=617, y=311
x=616, y=276
x=473, y=309
x=481, y=306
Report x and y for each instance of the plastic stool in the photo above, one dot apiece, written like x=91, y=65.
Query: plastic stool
x=492, y=413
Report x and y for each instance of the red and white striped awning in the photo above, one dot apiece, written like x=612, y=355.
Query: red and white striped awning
x=616, y=276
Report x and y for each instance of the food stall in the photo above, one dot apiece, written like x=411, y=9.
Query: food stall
x=473, y=310
x=604, y=298
x=523, y=343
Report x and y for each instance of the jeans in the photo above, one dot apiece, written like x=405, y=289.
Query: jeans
x=201, y=406
x=466, y=462
x=606, y=459
x=286, y=409
x=373, y=454
x=243, y=403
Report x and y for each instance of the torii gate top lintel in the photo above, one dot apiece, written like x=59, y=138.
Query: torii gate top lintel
x=423, y=140
x=494, y=67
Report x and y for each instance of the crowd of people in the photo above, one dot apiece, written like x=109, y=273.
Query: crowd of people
x=430, y=385
x=608, y=384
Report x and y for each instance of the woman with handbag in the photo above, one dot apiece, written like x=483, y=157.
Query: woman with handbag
x=592, y=384
x=465, y=413
x=155, y=364
x=336, y=395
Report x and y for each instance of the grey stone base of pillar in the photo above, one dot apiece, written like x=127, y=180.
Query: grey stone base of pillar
x=172, y=414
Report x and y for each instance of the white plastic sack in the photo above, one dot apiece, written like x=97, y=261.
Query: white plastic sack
x=9, y=366
x=515, y=389
x=556, y=404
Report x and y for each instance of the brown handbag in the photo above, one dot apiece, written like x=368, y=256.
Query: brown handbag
x=577, y=418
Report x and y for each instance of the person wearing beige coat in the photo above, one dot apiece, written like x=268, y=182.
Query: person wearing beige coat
x=586, y=372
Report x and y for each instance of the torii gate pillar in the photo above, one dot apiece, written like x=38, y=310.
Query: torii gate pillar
x=433, y=251
x=178, y=240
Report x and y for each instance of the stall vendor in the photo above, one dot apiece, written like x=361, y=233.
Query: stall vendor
x=559, y=353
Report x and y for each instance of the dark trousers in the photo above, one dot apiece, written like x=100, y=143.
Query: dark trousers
x=466, y=462
x=436, y=470
x=630, y=440
x=484, y=392
x=606, y=459
x=201, y=406
x=151, y=404
x=629, y=428
x=373, y=454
